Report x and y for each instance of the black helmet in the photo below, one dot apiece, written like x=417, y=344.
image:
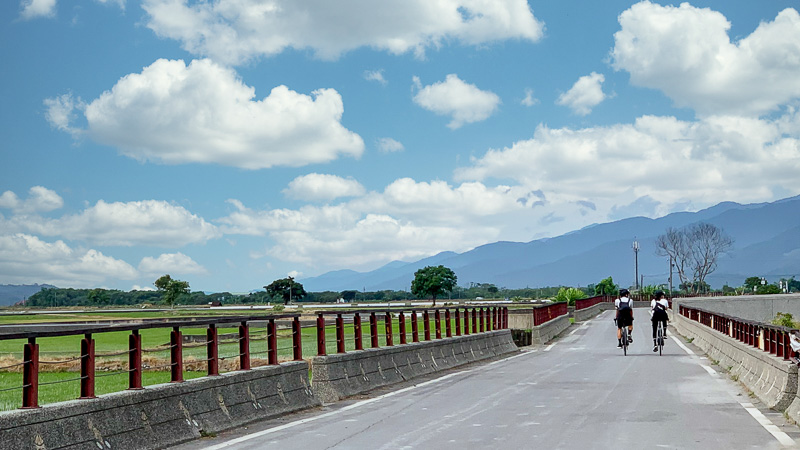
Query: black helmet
x=659, y=295
x=624, y=293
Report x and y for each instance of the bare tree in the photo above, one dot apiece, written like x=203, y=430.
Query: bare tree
x=695, y=251
x=675, y=245
x=708, y=242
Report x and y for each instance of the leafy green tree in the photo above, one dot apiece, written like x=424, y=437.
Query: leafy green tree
x=349, y=296
x=569, y=294
x=752, y=283
x=766, y=289
x=286, y=289
x=171, y=289
x=433, y=281
x=606, y=287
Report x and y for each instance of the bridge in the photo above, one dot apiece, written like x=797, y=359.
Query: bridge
x=733, y=386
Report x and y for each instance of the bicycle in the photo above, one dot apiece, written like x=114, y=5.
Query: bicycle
x=660, y=337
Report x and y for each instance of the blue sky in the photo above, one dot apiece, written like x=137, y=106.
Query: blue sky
x=230, y=143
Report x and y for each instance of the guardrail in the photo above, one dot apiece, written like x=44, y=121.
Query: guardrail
x=474, y=320
x=31, y=363
x=584, y=303
x=772, y=339
x=543, y=314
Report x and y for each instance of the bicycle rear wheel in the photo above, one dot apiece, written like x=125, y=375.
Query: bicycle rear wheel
x=660, y=337
x=625, y=341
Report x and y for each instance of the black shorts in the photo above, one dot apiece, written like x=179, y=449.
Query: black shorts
x=624, y=318
x=660, y=315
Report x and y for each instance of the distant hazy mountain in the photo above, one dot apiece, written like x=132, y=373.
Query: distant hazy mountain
x=766, y=243
x=12, y=293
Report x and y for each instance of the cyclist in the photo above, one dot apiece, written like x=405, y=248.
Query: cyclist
x=624, y=317
x=658, y=308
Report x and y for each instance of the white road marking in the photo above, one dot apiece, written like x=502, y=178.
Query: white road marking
x=258, y=434
x=782, y=437
x=549, y=347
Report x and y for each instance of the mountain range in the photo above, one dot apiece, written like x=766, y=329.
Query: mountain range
x=766, y=243
x=13, y=293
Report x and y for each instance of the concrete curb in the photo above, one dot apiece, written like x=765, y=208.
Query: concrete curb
x=582, y=315
x=544, y=333
x=345, y=374
x=772, y=380
x=162, y=415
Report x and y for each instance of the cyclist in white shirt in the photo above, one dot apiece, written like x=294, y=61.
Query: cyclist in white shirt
x=624, y=317
x=658, y=308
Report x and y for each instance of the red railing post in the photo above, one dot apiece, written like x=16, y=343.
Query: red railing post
x=297, y=339
x=426, y=319
x=438, y=322
x=272, y=342
x=357, y=331
x=30, y=374
x=176, y=355
x=505, y=317
x=135, y=360
x=320, y=335
x=447, y=326
x=414, y=327
x=87, y=366
x=466, y=321
x=401, y=325
x=388, y=323
x=339, y=334
x=474, y=321
x=244, y=346
x=483, y=320
x=373, y=329
x=213, y=350
x=458, y=322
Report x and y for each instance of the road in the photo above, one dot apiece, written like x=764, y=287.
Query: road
x=580, y=392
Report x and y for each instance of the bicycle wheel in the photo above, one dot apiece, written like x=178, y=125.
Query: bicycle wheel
x=625, y=341
x=660, y=337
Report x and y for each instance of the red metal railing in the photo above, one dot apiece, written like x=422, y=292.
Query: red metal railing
x=772, y=339
x=31, y=363
x=483, y=319
x=589, y=302
x=543, y=314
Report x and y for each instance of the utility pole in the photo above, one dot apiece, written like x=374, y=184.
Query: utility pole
x=291, y=281
x=670, y=276
x=636, y=259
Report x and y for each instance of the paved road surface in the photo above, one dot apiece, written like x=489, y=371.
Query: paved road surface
x=580, y=392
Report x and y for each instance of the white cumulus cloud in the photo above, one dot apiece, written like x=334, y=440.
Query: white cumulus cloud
x=686, y=53
x=316, y=186
x=40, y=199
x=147, y=222
x=234, y=31
x=463, y=102
x=27, y=259
x=673, y=162
x=172, y=263
x=529, y=99
x=203, y=113
x=31, y=9
x=389, y=145
x=375, y=75
x=584, y=95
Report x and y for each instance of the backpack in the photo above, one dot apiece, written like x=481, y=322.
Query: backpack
x=624, y=304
